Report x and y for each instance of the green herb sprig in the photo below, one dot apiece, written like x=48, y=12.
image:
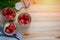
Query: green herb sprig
x=7, y=3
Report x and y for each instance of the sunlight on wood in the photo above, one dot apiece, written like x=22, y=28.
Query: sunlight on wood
x=44, y=2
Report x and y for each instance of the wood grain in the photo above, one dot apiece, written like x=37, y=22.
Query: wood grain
x=45, y=24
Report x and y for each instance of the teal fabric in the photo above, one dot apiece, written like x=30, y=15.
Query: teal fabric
x=4, y=37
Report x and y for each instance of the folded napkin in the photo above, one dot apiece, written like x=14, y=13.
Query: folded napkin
x=4, y=37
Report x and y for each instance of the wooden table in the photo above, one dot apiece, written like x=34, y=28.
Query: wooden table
x=45, y=24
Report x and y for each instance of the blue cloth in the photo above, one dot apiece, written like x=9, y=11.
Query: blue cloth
x=4, y=37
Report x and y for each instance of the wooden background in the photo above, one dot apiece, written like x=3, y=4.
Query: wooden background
x=45, y=23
